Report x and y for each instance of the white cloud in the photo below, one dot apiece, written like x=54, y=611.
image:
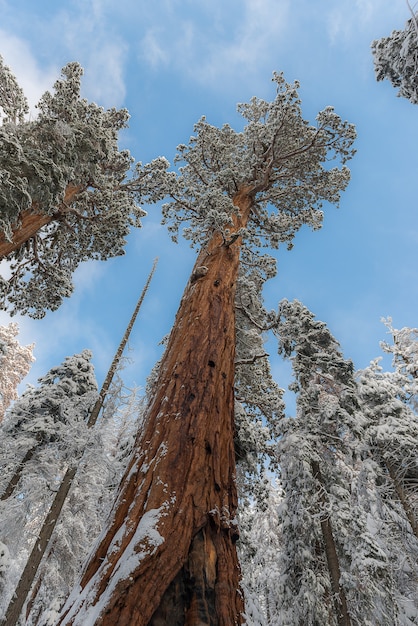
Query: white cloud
x=84, y=33
x=346, y=19
x=249, y=42
x=33, y=78
x=217, y=42
x=151, y=48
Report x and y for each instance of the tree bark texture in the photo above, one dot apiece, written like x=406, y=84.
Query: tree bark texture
x=31, y=221
x=168, y=556
x=340, y=601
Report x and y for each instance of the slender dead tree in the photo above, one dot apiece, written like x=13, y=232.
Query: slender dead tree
x=168, y=555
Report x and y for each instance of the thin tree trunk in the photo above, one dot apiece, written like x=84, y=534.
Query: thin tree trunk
x=18, y=473
x=29, y=573
x=340, y=601
x=31, y=221
x=116, y=359
x=168, y=556
x=26, y=580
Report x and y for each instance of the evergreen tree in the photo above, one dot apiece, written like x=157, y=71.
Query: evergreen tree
x=396, y=58
x=66, y=193
x=49, y=422
x=333, y=569
x=169, y=553
x=388, y=478
x=41, y=544
x=88, y=503
x=259, y=548
x=15, y=362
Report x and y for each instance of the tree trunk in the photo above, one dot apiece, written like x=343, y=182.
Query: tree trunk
x=168, y=556
x=22, y=590
x=31, y=221
x=340, y=601
x=403, y=497
x=118, y=355
x=11, y=486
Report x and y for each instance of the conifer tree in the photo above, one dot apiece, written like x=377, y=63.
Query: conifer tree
x=66, y=190
x=168, y=555
x=396, y=58
x=333, y=569
x=387, y=483
x=50, y=422
x=41, y=544
x=88, y=503
x=15, y=362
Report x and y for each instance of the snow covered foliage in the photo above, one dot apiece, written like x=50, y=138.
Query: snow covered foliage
x=43, y=432
x=388, y=480
x=259, y=399
x=88, y=505
x=62, y=171
x=331, y=564
x=259, y=547
x=396, y=58
x=57, y=409
x=4, y=561
x=15, y=362
x=279, y=159
x=404, y=349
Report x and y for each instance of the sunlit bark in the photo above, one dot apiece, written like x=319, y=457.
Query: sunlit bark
x=32, y=221
x=183, y=570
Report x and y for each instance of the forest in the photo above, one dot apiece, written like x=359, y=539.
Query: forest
x=203, y=498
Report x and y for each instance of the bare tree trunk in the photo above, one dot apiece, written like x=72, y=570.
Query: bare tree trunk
x=340, y=601
x=29, y=573
x=31, y=221
x=116, y=359
x=168, y=556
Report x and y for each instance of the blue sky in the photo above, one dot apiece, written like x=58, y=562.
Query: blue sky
x=171, y=61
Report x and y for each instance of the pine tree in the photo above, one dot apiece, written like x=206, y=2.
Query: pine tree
x=66, y=191
x=259, y=548
x=396, y=58
x=169, y=555
x=334, y=570
x=15, y=362
x=387, y=482
x=41, y=544
x=49, y=421
x=88, y=503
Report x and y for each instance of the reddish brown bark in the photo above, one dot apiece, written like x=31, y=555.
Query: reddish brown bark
x=184, y=468
x=31, y=221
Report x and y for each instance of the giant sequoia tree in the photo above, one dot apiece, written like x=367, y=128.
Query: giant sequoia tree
x=168, y=555
x=66, y=194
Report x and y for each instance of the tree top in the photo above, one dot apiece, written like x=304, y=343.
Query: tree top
x=278, y=159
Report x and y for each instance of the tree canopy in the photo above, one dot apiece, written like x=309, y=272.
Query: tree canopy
x=66, y=195
x=279, y=159
x=396, y=58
